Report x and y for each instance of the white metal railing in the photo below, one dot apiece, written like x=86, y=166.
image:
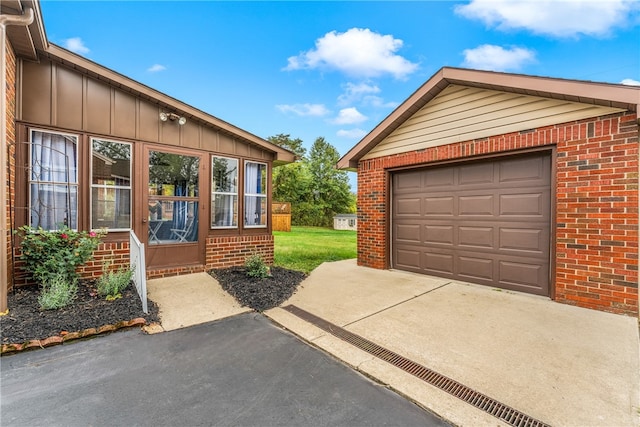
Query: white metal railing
x=137, y=262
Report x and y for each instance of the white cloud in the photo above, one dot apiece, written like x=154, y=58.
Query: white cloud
x=558, y=18
x=378, y=102
x=351, y=133
x=316, y=110
x=75, y=44
x=497, y=58
x=349, y=116
x=354, y=92
x=156, y=68
x=630, y=82
x=357, y=52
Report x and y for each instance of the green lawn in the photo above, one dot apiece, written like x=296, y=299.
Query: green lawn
x=305, y=248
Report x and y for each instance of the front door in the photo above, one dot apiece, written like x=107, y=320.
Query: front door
x=173, y=208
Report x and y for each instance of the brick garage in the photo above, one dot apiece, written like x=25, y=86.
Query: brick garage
x=591, y=137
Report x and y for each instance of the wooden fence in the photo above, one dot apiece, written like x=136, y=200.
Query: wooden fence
x=281, y=216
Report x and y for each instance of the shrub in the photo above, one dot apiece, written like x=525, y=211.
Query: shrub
x=49, y=254
x=57, y=292
x=112, y=283
x=256, y=267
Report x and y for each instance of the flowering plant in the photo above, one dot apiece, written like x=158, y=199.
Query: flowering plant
x=47, y=255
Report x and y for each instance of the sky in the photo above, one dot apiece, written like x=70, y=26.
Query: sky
x=336, y=69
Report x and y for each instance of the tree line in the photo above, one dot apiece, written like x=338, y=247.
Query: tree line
x=312, y=184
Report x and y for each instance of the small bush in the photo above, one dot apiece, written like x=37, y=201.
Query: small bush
x=57, y=292
x=49, y=254
x=112, y=283
x=256, y=267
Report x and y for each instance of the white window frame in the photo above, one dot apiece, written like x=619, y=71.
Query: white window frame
x=245, y=194
x=122, y=187
x=226, y=193
x=75, y=184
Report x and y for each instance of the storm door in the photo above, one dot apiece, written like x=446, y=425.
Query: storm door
x=173, y=209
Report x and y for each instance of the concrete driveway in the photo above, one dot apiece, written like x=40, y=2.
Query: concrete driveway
x=558, y=364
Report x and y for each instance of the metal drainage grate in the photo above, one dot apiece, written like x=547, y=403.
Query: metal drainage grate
x=472, y=397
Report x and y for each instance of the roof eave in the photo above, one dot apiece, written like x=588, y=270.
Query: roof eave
x=619, y=96
x=122, y=82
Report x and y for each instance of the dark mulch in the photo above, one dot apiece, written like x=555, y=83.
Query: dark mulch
x=259, y=294
x=26, y=321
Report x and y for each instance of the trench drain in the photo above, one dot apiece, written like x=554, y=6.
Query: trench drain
x=475, y=398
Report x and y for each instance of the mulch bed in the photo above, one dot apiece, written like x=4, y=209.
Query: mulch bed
x=26, y=321
x=259, y=294
x=27, y=326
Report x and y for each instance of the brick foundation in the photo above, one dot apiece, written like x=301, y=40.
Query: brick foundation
x=221, y=252
x=596, y=202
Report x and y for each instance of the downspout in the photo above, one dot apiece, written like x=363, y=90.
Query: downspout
x=5, y=21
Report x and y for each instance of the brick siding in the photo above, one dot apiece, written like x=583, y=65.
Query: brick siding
x=596, y=241
x=221, y=252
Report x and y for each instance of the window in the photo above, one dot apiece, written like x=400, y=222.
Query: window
x=53, y=180
x=110, y=185
x=224, y=192
x=255, y=195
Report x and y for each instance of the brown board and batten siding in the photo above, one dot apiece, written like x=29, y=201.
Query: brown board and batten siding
x=461, y=113
x=56, y=96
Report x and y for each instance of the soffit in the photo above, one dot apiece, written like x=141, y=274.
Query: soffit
x=25, y=40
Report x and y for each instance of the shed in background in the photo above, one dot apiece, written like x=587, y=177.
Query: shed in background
x=345, y=222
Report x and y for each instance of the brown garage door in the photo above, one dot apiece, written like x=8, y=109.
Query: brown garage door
x=484, y=222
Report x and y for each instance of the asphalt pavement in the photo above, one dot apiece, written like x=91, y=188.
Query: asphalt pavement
x=240, y=371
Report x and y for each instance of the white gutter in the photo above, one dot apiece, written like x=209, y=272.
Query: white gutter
x=5, y=21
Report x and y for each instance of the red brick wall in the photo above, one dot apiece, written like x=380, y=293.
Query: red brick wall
x=596, y=202
x=10, y=121
x=221, y=252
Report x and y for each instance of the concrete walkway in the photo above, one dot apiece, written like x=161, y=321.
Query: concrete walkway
x=190, y=300
x=563, y=365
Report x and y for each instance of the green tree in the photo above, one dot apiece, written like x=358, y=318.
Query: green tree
x=313, y=186
x=330, y=186
x=293, y=145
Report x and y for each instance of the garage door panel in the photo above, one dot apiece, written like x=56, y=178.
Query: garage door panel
x=534, y=240
x=475, y=174
x=472, y=268
x=441, y=177
x=523, y=277
x=480, y=237
x=530, y=205
x=486, y=222
x=408, y=258
x=439, y=205
x=408, y=233
x=523, y=170
x=408, y=206
x=481, y=205
x=408, y=181
x=439, y=234
x=439, y=263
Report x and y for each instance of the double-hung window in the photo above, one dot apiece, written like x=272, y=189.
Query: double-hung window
x=224, y=193
x=255, y=194
x=110, y=184
x=53, y=180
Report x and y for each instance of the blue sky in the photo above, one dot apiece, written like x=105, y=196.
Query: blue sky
x=336, y=69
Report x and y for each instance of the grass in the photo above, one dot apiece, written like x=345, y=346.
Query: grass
x=305, y=248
